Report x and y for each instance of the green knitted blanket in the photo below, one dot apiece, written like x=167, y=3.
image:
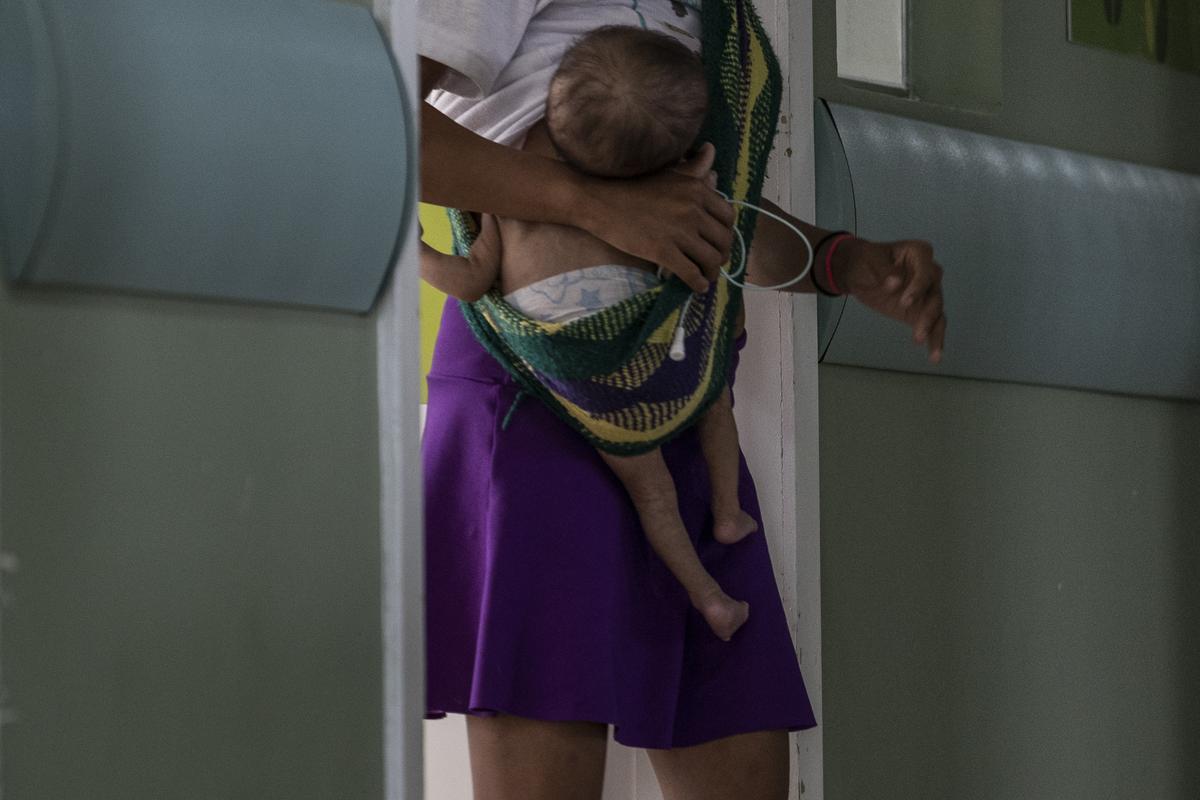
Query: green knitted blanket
x=609, y=375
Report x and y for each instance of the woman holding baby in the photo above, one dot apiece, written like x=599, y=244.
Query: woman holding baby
x=549, y=614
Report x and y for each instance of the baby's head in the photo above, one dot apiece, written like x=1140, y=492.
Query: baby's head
x=626, y=102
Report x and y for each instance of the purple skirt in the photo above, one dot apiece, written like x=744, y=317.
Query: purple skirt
x=544, y=598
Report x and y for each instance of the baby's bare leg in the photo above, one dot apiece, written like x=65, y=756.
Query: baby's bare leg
x=652, y=490
x=718, y=435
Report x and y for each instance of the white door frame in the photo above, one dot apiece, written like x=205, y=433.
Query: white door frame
x=402, y=546
x=777, y=387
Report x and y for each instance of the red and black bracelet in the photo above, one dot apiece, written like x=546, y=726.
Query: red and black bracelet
x=838, y=237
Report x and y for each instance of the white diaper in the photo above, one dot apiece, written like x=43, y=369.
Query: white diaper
x=580, y=292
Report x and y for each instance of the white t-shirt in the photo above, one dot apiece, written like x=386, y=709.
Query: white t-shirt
x=501, y=54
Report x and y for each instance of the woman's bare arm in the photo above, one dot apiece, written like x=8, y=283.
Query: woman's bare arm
x=671, y=219
x=777, y=255
x=900, y=279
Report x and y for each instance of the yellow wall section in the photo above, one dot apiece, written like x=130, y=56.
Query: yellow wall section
x=436, y=233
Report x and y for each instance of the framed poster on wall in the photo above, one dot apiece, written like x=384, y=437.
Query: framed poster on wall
x=1166, y=31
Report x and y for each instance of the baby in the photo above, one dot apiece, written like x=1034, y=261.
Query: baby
x=624, y=102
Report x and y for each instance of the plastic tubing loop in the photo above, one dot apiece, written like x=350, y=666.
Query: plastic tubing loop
x=732, y=277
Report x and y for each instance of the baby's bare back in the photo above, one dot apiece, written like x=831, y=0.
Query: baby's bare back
x=533, y=251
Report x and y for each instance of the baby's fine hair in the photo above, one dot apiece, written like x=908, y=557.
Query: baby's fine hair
x=626, y=102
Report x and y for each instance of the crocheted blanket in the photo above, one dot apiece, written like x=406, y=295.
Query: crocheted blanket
x=609, y=375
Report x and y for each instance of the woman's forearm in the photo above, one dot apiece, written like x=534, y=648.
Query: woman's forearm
x=777, y=255
x=897, y=279
x=461, y=169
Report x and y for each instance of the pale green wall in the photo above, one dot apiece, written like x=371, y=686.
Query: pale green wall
x=1011, y=574
x=192, y=491
x=1011, y=590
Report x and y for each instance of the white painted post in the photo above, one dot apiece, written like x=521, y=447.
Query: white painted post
x=402, y=547
x=805, y=496
x=777, y=387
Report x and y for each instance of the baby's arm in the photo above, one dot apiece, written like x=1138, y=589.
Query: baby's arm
x=467, y=278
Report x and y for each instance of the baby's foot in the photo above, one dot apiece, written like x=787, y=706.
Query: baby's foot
x=723, y=614
x=728, y=530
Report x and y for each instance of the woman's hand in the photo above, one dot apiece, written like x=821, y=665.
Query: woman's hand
x=899, y=280
x=673, y=218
